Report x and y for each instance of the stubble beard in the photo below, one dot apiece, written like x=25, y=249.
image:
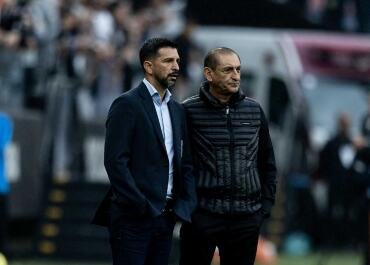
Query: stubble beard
x=166, y=82
x=229, y=92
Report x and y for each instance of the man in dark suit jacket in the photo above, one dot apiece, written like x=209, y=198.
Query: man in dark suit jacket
x=148, y=162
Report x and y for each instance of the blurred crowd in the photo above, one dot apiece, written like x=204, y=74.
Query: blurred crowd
x=93, y=45
x=89, y=44
x=331, y=207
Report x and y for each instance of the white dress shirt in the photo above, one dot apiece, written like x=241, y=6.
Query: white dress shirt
x=164, y=119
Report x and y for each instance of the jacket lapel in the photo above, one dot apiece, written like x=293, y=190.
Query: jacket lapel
x=176, y=131
x=151, y=112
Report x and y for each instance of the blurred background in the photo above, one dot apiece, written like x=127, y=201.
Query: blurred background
x=62, y=62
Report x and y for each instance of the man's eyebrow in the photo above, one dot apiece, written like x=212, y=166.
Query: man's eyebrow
x=171, y=58
x=230, y=66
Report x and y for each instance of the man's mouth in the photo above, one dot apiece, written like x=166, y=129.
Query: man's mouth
x=174, y=75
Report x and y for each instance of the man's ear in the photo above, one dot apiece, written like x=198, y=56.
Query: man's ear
x=207, y=72
x=148, y=66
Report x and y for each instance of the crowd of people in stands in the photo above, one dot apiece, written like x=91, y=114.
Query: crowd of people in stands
x=92, y=44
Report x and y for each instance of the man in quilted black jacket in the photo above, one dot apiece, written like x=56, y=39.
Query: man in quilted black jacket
x=234, y=166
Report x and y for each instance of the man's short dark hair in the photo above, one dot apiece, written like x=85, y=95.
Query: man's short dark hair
x=151, y=46
x=211, y=61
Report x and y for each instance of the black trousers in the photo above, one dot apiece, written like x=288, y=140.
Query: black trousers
x=235, y=236
x=141, y=241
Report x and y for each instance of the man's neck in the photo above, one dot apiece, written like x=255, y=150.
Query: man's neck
x=224, y=99
x=157, y=86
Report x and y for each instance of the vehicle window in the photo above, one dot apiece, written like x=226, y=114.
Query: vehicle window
x=327, y=98
x=278, y=101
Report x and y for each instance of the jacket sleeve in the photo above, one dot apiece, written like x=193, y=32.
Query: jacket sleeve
x=266, y=167
x=189, y=192
x=117, y=155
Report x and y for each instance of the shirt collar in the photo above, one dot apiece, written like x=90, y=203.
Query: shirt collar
x=154, y=93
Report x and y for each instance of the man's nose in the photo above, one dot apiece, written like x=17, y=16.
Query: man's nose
x=176, y=66
x=235, y=74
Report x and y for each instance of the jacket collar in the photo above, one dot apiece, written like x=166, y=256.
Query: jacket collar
x=212, y=100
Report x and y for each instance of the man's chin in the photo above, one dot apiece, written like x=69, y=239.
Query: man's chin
x=232, y=90
x=171, y=83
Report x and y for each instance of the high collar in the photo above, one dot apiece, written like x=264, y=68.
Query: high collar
x=212, y=100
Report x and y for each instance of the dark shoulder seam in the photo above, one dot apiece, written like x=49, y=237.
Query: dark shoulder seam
x=251, y=100
x=192, y=99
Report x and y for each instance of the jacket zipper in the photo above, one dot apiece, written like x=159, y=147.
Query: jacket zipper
x=231, y=150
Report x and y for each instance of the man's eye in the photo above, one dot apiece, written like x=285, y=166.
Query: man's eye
x=230, y=70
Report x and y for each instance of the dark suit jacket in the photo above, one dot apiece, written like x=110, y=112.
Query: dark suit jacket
x=136, y=161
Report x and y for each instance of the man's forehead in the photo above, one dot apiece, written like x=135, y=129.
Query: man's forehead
x=168, y=52
x=228, y=60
